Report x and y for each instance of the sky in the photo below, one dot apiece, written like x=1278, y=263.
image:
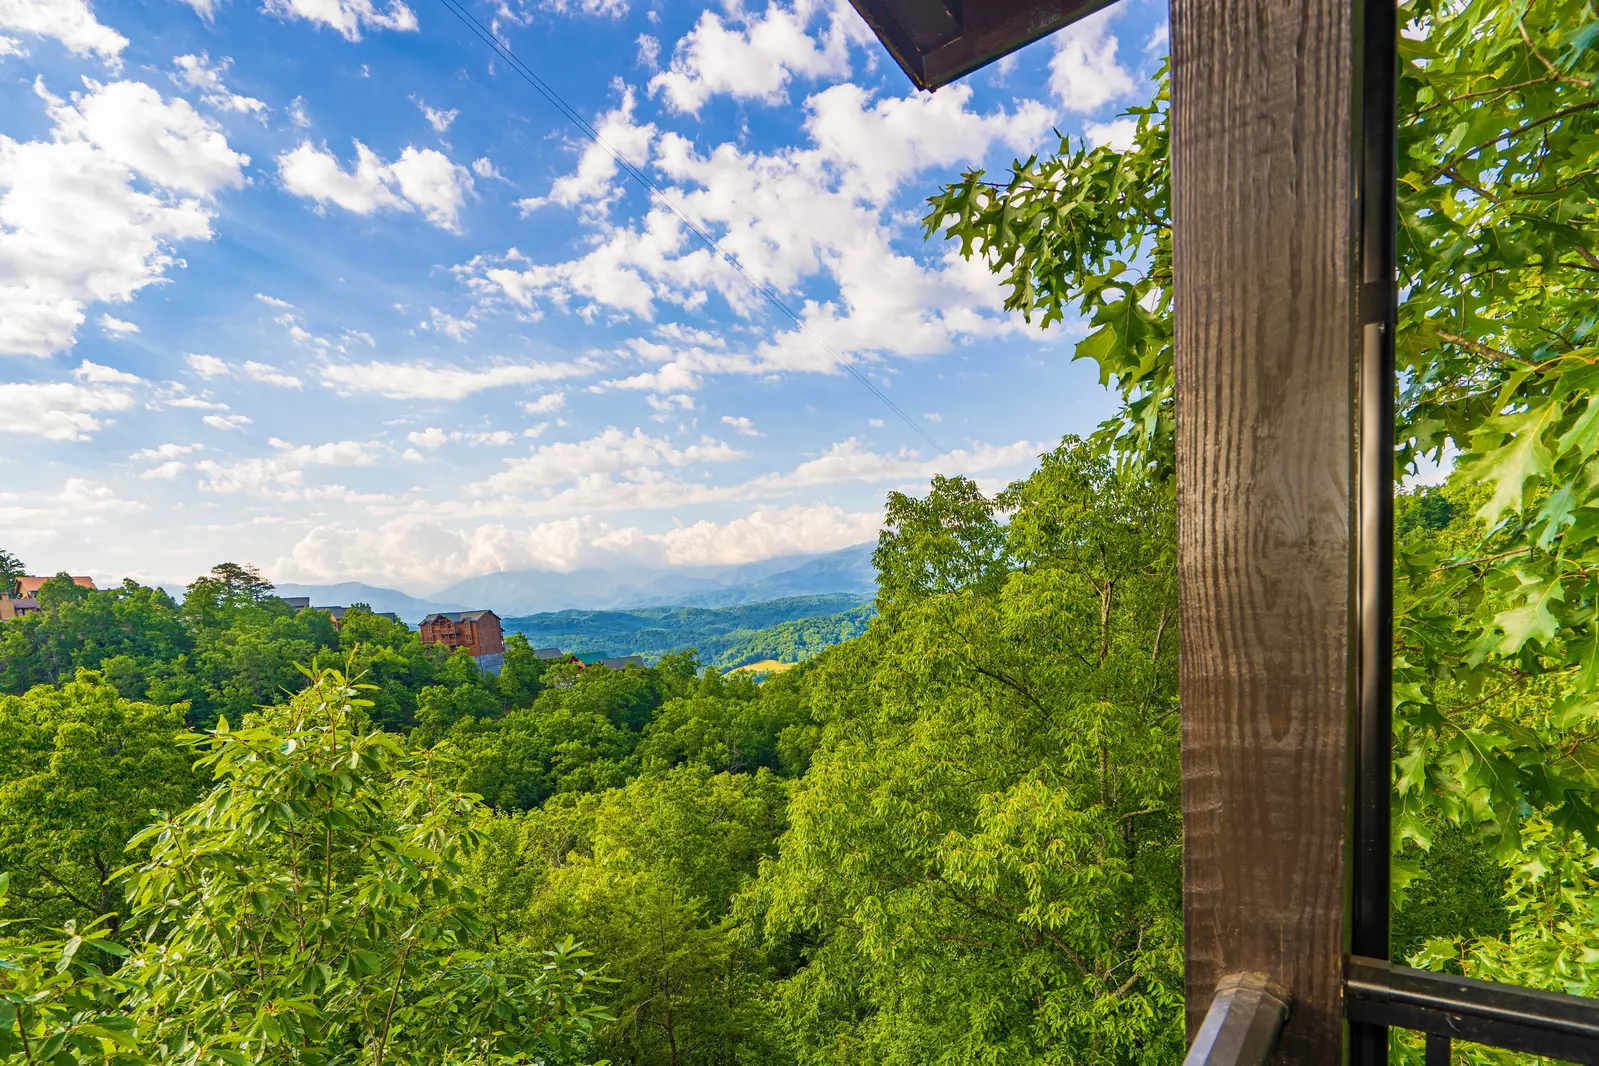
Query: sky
x=326, y=286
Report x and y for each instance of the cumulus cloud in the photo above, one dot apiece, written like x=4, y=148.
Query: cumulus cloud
x=484, y=168
x=755, y=56
x=423, y=549
x=438, y=118
x=74, y=226
x=348, y=17
x=1084, y=73
x=270, y=375
x=79, y=503
x=207, y=366
x=850, y=460
x=607, y=452
x=743, y=425
x=434, y=437
x=226, y=422
x=1120, y=134
x=454, y=328
x=66, y=410
x=198, y=72
x=71, y=22
x=422, y=179
x=166, y=451
x=550, y=401
x=790, y=216
x=591, y=184
x=280, y=474
x=118, y=327
x=422, y=381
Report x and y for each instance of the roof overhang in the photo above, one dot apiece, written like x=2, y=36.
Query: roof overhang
x=937, y=41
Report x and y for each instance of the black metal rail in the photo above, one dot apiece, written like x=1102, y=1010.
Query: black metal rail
x=1449, y=1008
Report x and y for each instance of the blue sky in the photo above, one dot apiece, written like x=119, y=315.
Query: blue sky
x=323, y=285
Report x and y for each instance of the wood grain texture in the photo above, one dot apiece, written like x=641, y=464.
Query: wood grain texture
x=1266, y=348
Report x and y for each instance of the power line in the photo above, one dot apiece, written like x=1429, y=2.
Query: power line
x=638, y=174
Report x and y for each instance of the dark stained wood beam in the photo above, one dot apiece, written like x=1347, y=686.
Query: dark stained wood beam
x=1264, y=162
x=937, y=41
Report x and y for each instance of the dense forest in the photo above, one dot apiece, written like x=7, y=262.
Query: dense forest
x=788, y=629
x=233, y=834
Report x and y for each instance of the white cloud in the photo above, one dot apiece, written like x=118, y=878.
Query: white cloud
x=196, y=403
x=1084, y=73
x=274, y=303
x=454, y=328
x=74, y=229
x=281, y=472
x=10, y=46
x=550, y=401
x=766, y=533
x=270, y=375
x=167, y=451
x=787, y=217
x=198, y=72
x=603, y=8
x=422, y=549
x=438, y=118
x=348, y=17
x=933, y=416
x=71, y=22
x=118, y=327
x=753, y=57
x=423, y=179
x=434, y=437
x=420, y=381
x=1159, y=39
x=65, y=410
x=1120, y=134
x=607, y=452
x=227, y=421
x=96, y=374
x=165, y=471
x=849, y=460
x=744, y=426
x=484, y=168
x=207, y=366
x=649, y=52
x=590, y=184
x=297, y=113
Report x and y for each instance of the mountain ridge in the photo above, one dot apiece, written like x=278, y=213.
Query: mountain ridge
x=518, y=593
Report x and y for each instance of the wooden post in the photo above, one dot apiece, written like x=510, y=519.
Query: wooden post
x=1264, y=162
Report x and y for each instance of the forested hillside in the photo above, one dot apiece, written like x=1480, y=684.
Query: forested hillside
x=995, y=738
x=715, y=632
x=954, y=839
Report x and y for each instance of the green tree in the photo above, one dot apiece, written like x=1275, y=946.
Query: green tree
x=11, y=568
x=81, y=771
x=983, y=862
x=1497, y=643
x=320, y=883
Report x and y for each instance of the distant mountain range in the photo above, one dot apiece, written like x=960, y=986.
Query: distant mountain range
x=410, y=608
x=788, y=629
x=847, y=572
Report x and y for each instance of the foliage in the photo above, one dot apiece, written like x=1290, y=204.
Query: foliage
x=653, y=631
x=81, y=770
x=983, y=863
x=11, y=568
x=646, y=875
x=796, y=641
x=1497, y=644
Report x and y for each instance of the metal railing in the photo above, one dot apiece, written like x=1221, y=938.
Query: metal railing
x=1248, y=1011
x=1449, y=1008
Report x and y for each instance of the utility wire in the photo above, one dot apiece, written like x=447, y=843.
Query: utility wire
x=638, y=174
